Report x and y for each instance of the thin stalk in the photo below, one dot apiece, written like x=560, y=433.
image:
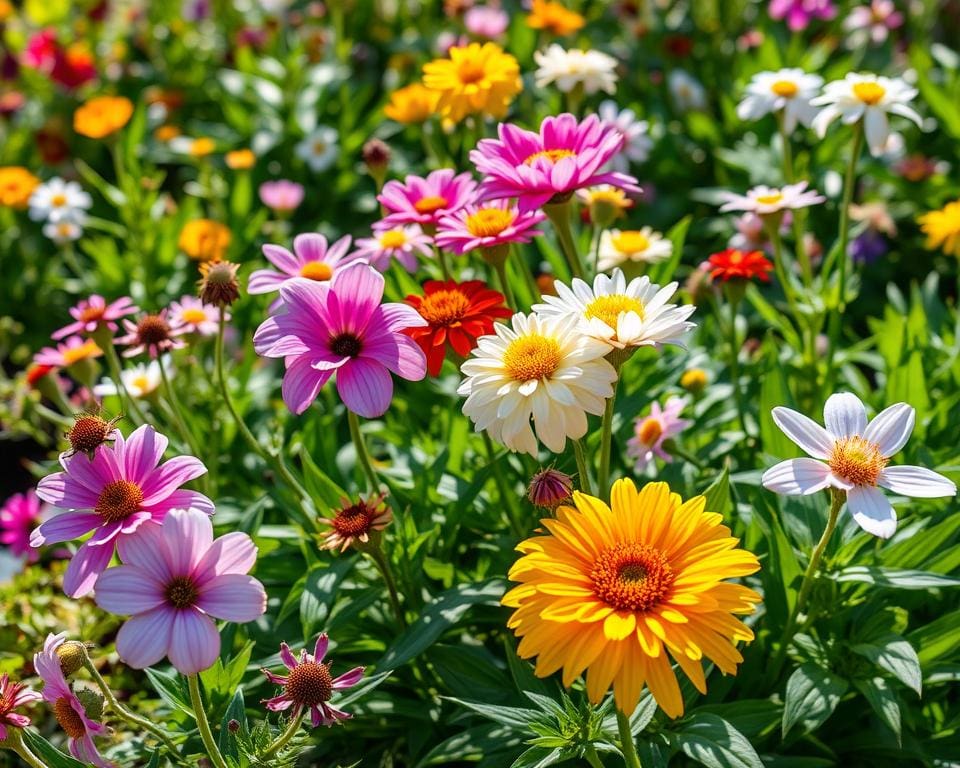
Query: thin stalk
x=383, y=565
x=500, y=265
x=288, y=733
x=363, y=457
x=773, y=231
x=630, y=758
x=177, y=414
x=582, y=468
x=590, y=752
x=506, y=498
x=559, y=215
x=113, y=363
x=788, y=175
x=442, y=258
x=606, y=442
x=206, y=735
x=735, y=366
x=528, y=277
x=14, y=742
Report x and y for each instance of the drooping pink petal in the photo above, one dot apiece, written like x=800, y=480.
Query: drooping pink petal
x=145, y=638
x=194, y=642
x=365, y=387
x=159, y=483
x=85, y=566
x=128, y=590
x=301, y=383
x=233, y=597
x=348, y=679
x=233, y=552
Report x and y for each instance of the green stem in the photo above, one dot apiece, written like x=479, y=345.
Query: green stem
x=506, y=498
x=281, y=741
x=590, y=752
x=606, y=442
x=206, y=735
x=105, y=341
x=582, y=468
x=442, y=258
x=773, y=231
x=528, y=276
x=174, y=402
x=788, y=175
x=383, y=565
x=630, y=758
x=363, y=457
x=500, y=265
x=559, y=215
x=14, y=742
x=735, y=366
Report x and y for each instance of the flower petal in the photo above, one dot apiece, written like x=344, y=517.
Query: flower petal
x=128, y=590
x=64, y=527
x=194, y=642
x=917, y=482
x=84, y=569
x=872, y=511
x=188, y=534
x=891, y=428
x=144, y=639
x=231, y=553
x=233, y=597
x=365, y=387
x=844, y=415
x=796, y=477
x=804, y=431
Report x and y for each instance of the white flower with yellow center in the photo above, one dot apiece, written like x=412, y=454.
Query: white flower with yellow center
x=618, y=246
x=852, y=455
x=536, y=369
x=624, y=315
x=786, y=91
x=139, y=381
x=867, y=98
x=319, y=150
x=593, y=70
x=764, y=201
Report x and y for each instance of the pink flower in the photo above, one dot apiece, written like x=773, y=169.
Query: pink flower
x=425, y=201
x=113, y=495
x=281, y=196
x=402, y=242
x=71, y=351
x=649, y=432
x=311, y=259
x=191, y=315
x=341, y=327
x=152, y=334
x=13, y=695
x=19, y=515
x=550, y=166
x=486, y=21
x=799, y=13
x=67, y=708
x=174, y=581
x=872, y=22
x=310, y=685
x=94, y=312
x=486, y=226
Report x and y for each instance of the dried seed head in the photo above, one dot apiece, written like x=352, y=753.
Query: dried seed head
x=218, y=282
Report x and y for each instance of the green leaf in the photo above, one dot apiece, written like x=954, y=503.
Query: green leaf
x=319, y=591
x=712, y=741
x=895, y=578
x=515, y=717
x=171, y=688
x=663, y=272
x=937, y=641
x=812, y=694
x=907, y=383
x=894, y=654
x=235, y=711
x=884, y=702
x=52, y=757
x=537, y=757
x=718, y=494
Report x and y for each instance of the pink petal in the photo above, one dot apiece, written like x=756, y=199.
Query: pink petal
x=265, y=281
x=64, y=527
x=159, y=483
x=358, y=289
x=147, y=550
x=231, y=553
x=309, y=246
x=301, y=383
x=399, y=353
x=142, y=452
x=85, y=566
x=287, y=657
x=233, y=597
x=349, y=679
x=128, y=590
x=144, y=639
x=281, y=258
x=278, y=703
x=320, y=648
x=194, y=642
x=181, y=499
x=365, y=387
x=188, y=534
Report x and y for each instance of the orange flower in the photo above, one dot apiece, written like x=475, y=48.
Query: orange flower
x=16, y=186
x=102, y=116
x=166, y=132
x=204, y=239
x=241, y=159
x=554, y=18
x=413, y=104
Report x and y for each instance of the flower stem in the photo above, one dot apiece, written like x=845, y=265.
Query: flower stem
x=113, y=363
x=442, y=258
x=501, y=266
x=630, y=758
x=788, y=175
x=14, y=742
x=506, y=498
x=174, y=402
x=773, y=230
x=206, y=735
x=606, y=442
x=582, y=468
x=590, y=752
x=383, y=565
x=363, y=457
x=288, y=733
x=735, y=366
x=559, y=215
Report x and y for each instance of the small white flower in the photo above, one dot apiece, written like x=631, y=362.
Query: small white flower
x=621, y=314
x=852, y=455
x=636, y=139
x=868, y=98
x=319, y=149
x=687, y=93
x=593, y=70
x=765, y=200
x=139, y=381
x=65, y=230
x=57, y=200
x=788, y=91
x=618, y=246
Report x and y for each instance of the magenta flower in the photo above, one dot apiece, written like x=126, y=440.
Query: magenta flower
x=191, y=315
x=310, y=685
x=281, y=196
x=174, y=581
x=68, y=352
x=799, y=13
x=113, y=495
x=425, y=201
x=152, y=334
x=486, y=21
x=538, y=168
x=13, y=695
x=312, y=259
x=67, y=708
x=93, y=313
x=19, y=515
x=402, y=242
x=487, y=226
x=649, y=432
x=341, y=327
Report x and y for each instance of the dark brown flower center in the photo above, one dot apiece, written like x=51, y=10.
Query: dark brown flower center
x=69, y=719
x=354, y=520
x=152, y=330
x=118, y=500
x=346, y=345
x=181, y=592
x=309, y=684
x=632, y=577
x=88, y=432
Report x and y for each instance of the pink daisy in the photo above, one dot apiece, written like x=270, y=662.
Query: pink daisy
x=113, y=495
x=67, y=708
x=153, y=334
x=402, y=242
x=13, y=695
x=487, y=225
x=68, y=352
x=425, y=201
x=311, y=259
x=174, y=581
x=94, y=312
x=191, y=315
x=19, y=515
x=341, y=327
x=281, y=196
x=310, y=685
x=649, y=432
x=538, y=168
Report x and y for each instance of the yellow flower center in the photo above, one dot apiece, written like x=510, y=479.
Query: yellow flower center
x=857, y=461
x=140, y=382
x=771, y=199
x=63, y=229
x=471, y=71
x=430, y=204
x=319, y=147
x=649, y=431
x=785, y=88
x=194, y=316
x=553, y=155
x=57, y=201
x=395, y=238
x=316, y=270
x=202, y=147
x=444, y=307
x=532, y=357
x=631, y=576
x=609, y=308
x=869, y=93
x=630, y=241
x=118, y=500
x=85, y=350
x=489, y=222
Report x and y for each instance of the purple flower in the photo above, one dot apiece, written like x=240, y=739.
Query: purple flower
x=312, y=259
x=281, y=196
x=113, y=495
x=18, y=516
x=425, y=201
x=486, y=21
x=650, y=432
x=94, y=312
x=799, y=13
x=341, y=327
x=402, y=242
x=868, y=247
x=174, y=581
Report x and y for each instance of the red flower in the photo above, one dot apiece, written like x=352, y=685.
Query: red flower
x=734, y=264
x=456, y=313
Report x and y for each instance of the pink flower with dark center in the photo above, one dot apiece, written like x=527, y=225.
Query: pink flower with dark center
x=799, y=13
x=113, y=495
x=341, y=327
x=537, y=168
x=312, y=259
x=153, y=334
x=650, y=432
x=281, y=196
x=67, y=708
x=13, y=695
x=487, y=225
x=93, y=313
x=401, y=242
x=425, y=201
x=191, y=315
x=68, y=352
x=174, y=581
x=309, y=684
x=19, y=515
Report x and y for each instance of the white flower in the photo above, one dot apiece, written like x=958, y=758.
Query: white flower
x=591, y=69
x=57, y=200
x=66, y=230
x=764, y=200
x=637, y=245
x=687, y=93
x=852, y=455
x=636, y=140
x=787, y=90
x=319, y=148
x=621, y=314
x=536, y=368
x=139, y=381
x=868, y=98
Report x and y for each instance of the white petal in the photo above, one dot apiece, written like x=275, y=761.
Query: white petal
x=876, y=129
x=797, y=476
x=844, y=415
x=918, y=482
x=891, y=428
x=804, y=431
x=872, y=511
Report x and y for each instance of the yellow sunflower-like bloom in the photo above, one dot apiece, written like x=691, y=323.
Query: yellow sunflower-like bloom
x=942, y=228
x=612, y=591
x=475, y=79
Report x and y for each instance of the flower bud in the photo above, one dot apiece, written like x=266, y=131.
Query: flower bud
x=72, y=655
x=376, y=156
x=92, y=703
x=694, y=380
x=550, y=488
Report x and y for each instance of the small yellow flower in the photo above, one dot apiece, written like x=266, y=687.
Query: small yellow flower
x=241, y=159
x=475, y=79
x=554, y=18
x=16, y=186
x=942, y=228
x=694, y=380
x=414, y=104
x=166, y=133
x=102, y=116
x=201, y=147
x=204, y=239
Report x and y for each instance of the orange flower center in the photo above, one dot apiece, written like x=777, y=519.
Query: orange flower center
x=118, y=500
x=319, y=147
x=772, y=199
x=58, y=201
x=73, y=355
x=193, y=316
x=395, y=238
x=553, y=155
x=444, y=307
x=316, y=270
x=430, y=204
x=69, y=720
x=353, y=521
x=471, y=71
x=631, y=577
x=309, y=684
x=181, y=592
x=630, y=241
x=857, y=461
x=735, y=257
x=532, y=357
x=649, y=431
x=489, y=222
x=89, y=314
x=869, y=93
x=609, y=308
x=785, y=88
x=87, y=433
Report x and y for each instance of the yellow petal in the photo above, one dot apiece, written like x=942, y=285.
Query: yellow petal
x=619, y=625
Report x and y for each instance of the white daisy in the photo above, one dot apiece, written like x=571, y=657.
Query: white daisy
x=65, y=230
x=765, y=200
x=869, y=98
x=319, y=148
x=139, y=381
x=57, y=200
x=593, y=70
x=621, y=314
x=536, y=368
x=852, y=455
x=687, y=93
x=636, y=245
x=787, y=90
x=636, y=139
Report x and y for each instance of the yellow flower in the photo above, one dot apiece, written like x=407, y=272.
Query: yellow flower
x=413, y=104
x=611, y=591
x=241, y=159
x=16, y=186
x=204, y=239
x=694, y=380
x=476, y=79
x=102, y=116
x=554, y=18
x=166, y=132
x=942, y=228
x=201, y=147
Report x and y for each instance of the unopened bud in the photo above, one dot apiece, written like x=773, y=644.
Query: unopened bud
x=550, y=488
x=72, y=655
x=694, y=380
